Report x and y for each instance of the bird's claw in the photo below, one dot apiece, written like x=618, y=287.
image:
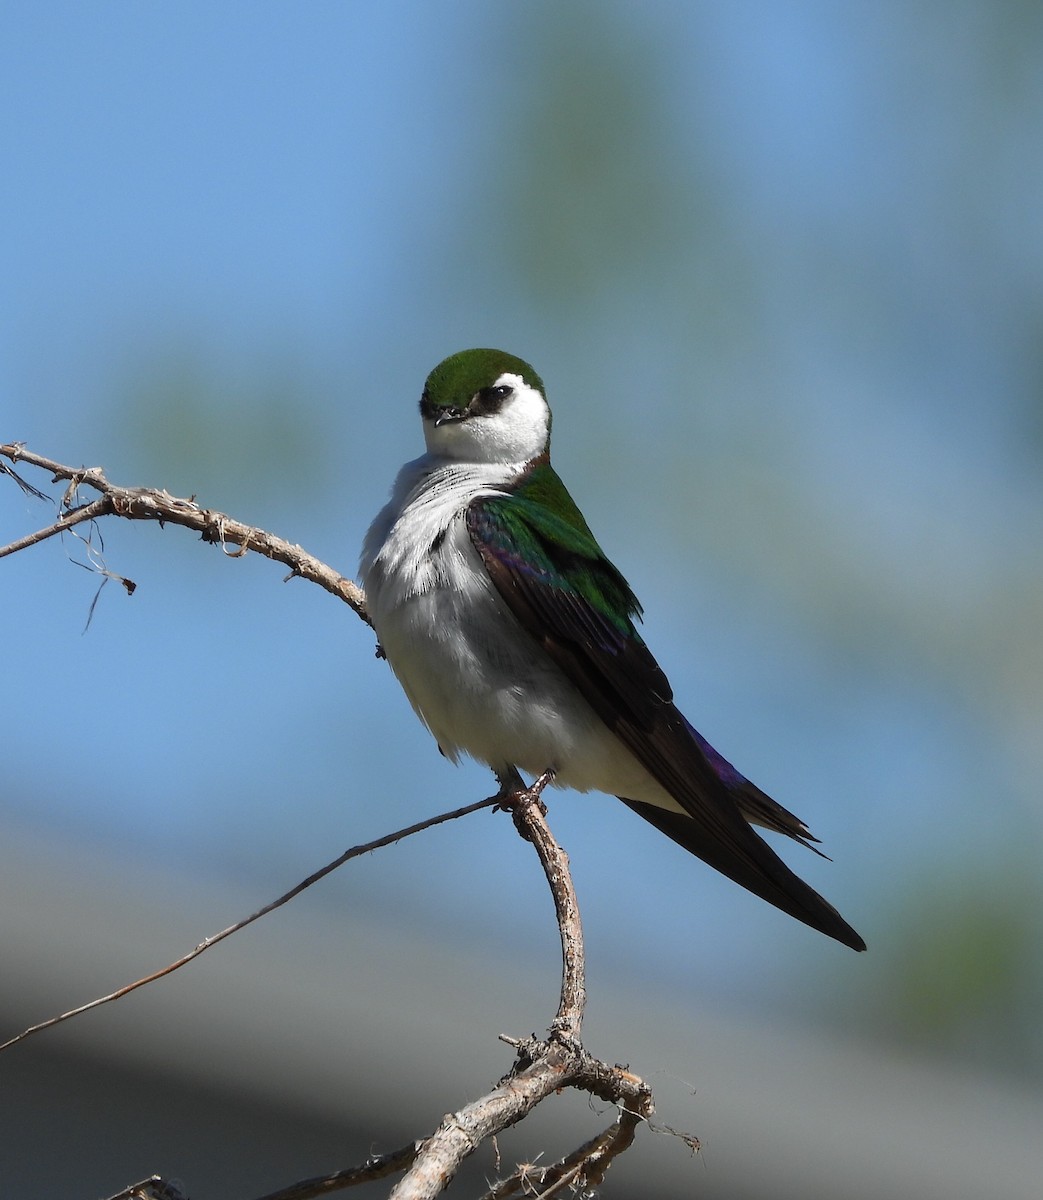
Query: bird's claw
x=515, y=797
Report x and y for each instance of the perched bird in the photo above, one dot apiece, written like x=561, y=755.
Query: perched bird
x=513, y=635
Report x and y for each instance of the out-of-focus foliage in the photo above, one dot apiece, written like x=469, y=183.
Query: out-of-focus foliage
x=961, y=974
x=230, y=432
x=595, y=199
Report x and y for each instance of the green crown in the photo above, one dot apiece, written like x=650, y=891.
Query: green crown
x=457, y=378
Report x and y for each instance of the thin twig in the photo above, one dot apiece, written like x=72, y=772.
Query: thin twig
x=354, y=852
x=75, y=516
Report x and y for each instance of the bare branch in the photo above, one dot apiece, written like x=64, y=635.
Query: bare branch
x=461, y=1133
x=155, y=504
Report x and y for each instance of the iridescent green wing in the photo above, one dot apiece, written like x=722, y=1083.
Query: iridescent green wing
x=544, y=561
x=552, y=575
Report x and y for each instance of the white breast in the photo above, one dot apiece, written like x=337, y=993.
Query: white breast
x=434, y=609
x=409, y=549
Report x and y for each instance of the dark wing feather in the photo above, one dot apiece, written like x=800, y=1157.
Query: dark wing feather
x=555, y=579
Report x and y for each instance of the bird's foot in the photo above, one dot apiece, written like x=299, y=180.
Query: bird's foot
x=511, y=784
x=515, y=797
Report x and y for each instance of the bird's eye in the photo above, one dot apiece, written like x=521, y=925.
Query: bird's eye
x=490, y=399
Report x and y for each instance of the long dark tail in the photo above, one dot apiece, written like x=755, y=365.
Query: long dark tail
x=759, y=870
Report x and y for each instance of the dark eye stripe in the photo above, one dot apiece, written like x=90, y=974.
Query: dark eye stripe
x=490, y=399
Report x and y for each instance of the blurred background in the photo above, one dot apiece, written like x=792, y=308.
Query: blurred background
x=780, y=266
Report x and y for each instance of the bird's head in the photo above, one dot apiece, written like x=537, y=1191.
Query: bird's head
x=485, y=406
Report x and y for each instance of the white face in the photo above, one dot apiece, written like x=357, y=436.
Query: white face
x=515, y=432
